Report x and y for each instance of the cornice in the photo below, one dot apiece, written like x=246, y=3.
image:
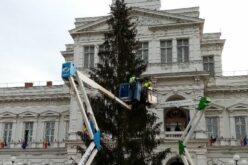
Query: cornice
x=55, y=97
x=166, y=14
x=78, y=29
x=174, y=25
x=227, y=89
x=206, y=43
x=177, y=75
x=34, y=151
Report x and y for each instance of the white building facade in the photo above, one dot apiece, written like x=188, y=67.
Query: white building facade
x=184, y=64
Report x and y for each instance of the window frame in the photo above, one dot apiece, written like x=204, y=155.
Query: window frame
x=49, y=132
x=185, y=53
x=7, y=132
x=240, y=133
x=207, y=62
x=89, y=56
x=30, y=129
x=142, y=49
x=168, y=56
x=213, y=122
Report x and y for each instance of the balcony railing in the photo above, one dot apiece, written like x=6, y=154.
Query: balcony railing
x=173, y=134
x=16, y=145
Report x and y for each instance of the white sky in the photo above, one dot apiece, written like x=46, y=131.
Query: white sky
x=33, y=32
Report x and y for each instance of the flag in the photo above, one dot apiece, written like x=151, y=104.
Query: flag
x=45, y=144
x=1, y=144
x=25, y=142
x=212, y=140
x=245, y=141
x=241, y=142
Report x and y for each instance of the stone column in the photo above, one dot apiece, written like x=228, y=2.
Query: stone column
x=160, y=115
x=78, y=54
x=225, y=125
x=76, y=121
x=75, y=124
x=201, y=128
x=232, y=127
x=56, y=131
x=174, y=50
x=35, y=130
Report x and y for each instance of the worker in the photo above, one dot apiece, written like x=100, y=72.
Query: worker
x=147, y=84
x=132, y=80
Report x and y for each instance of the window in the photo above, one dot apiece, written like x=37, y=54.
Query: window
x=212, y=126
x=240, y=127
x=143, y=51
x=28, y=131
x=208, y=65
x=101, y=49
x=182, y=50
x=89, y=52
x=66, y=130
x=49, y=132
x=166, y=51
x=7, y=133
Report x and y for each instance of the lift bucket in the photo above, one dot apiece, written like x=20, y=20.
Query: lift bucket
x=125, y=93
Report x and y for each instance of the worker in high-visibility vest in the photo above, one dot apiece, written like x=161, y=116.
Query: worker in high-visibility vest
x=147, y=84
x=132, y=80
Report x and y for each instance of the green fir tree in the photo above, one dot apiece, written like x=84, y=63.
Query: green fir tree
x=132, y=133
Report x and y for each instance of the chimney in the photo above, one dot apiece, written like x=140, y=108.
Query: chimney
x=49, y=83
x=28, y=84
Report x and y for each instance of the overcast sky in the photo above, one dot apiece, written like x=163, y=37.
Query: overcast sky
x=33, y=32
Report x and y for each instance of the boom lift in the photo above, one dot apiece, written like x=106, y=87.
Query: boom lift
x=183, y=151
x=75, y=77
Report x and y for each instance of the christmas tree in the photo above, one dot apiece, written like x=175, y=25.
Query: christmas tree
x=129, y=137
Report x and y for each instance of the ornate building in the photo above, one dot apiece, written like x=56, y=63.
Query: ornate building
x=184, y=64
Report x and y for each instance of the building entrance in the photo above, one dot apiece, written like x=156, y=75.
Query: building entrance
x=175, y=161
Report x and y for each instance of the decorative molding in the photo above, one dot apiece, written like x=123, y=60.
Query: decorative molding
x=28, y=103
x=7, y=115
x=49, y=114
x=28, y=114
x=238, y=106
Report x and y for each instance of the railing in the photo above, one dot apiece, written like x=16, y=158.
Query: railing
x=35, y=83
x=33, y=145
x=173, y=134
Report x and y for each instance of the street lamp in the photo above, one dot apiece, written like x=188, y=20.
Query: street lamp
x=13, y=159
x=236, y=161
x=236, y=158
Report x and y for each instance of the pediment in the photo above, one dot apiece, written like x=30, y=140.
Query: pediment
x=215, y=107
x=28, y=114
x=50, y=113
x=144, y=17
x=97, y=25
x=238, y=106
x=7, y=115
x=65, y=114
x=153, y=18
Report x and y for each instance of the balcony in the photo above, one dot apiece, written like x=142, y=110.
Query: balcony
x=175, y=67
x=172, y=134
x=34, y=145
